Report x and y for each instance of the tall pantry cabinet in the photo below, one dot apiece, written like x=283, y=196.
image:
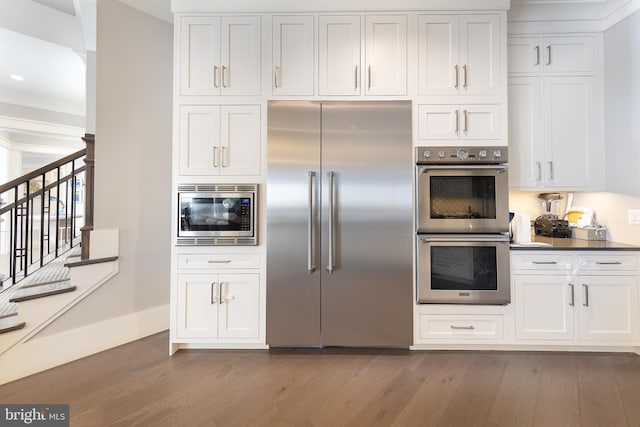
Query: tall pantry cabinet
x=228, y=65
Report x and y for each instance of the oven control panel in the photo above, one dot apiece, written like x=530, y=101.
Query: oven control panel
x=486, y=155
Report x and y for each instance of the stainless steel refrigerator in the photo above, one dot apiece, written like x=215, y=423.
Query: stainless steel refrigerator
x=339, y=224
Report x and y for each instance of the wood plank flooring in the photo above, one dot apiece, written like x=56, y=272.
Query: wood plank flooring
x=138, y=384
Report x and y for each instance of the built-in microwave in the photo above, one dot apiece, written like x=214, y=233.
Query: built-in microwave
x=217, y=214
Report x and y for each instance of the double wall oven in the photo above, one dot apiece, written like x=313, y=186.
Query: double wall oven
x=462, y=225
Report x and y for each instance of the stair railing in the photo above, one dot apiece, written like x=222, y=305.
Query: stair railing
x=41, y=215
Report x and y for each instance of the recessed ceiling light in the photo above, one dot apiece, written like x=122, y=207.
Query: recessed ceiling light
x=17, y=77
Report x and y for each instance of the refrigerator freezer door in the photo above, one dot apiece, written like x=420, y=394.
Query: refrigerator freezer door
x=367, y=299
x=293, y=198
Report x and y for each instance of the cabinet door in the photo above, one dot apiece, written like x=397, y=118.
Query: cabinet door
x=386, y=55
x=293, y=55
x=572, y=160
x=240, y=140
x=200, y=55
x=240, y=56
x=197, y=306
x=438, y=55
x=568, y=54
x=479, y=55
x=525, y=54
x=481, y=122
x=438, y=122
x=608, y=308
x=525, y=132
x=544, y=306
x=200, y=140
x=339, y=55
x=239, y=315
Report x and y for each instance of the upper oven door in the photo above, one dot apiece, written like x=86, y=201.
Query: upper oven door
x=216, y=214
x=462, y=199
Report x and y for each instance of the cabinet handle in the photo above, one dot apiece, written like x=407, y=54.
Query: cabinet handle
x=275, y=77
x=466, y=119
x=551, y=171
x=355, y=79
x=469, y=328
x=464, y=72
x=457, y=121
x=537, y=48
x=369, y=78
x=214, y=294
x=224, y=80
x=330, y=244
x=455, y=68
x=539, y=171
x=549, y=55
x=221, y=261
x=221, y=299
x=608, y=262
x=225, y=157
x=215, y=76
x=586, y=295
x=573, y=295
x=310, y=228
x=544, y=262
x=216, y=163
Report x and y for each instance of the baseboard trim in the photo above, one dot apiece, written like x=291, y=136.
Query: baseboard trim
x=39, y=354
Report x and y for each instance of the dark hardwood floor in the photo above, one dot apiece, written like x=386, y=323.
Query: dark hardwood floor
x=139, y=384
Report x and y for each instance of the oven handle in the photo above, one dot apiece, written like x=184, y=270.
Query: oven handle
x=498, y=168
x=498, y=238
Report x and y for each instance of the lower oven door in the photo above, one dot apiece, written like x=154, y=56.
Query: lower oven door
x=463, y=269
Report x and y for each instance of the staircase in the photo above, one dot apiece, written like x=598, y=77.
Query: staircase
x=44, y=215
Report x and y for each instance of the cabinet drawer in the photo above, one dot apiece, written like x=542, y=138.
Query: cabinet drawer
x=607, y=263
x=556, y=262
x=452, y=326
x=218, y=261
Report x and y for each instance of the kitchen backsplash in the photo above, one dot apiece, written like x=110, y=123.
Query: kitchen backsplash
x=610, y=208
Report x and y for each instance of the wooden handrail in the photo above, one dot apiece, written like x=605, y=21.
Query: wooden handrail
x=39, y=172
x=89, y=160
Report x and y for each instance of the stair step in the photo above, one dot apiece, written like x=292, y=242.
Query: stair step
x=10, y=323
x=33, y=292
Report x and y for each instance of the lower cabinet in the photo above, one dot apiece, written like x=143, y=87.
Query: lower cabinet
x=584, y=305
x=212, y=306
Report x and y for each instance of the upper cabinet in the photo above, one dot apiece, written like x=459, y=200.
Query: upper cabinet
x=459, y=55
x=339, y=55
x=220, y=55
x=386, y=55
x=293, y=54
x=555, y=113
x=566, y=54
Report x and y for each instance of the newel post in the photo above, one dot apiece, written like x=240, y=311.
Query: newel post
x=89, y=161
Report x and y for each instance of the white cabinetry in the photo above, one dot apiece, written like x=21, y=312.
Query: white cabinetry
x=219, y=140
x=339, y=55
x=555, y=118
x=459, y=55
x=217, y=299
x=386, y=55
x=293, y=55
x=574, y=298
x=219, y=55
x=459, y=122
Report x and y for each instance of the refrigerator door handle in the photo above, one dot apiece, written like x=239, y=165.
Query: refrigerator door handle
x=310, y=228
x=330, y=264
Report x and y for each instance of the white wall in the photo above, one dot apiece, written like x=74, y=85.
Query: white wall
x=133, y=161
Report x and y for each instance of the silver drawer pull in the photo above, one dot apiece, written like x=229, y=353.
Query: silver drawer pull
x=545, y=262
x=608, y=262
x=469, y=328
x=222, y=261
